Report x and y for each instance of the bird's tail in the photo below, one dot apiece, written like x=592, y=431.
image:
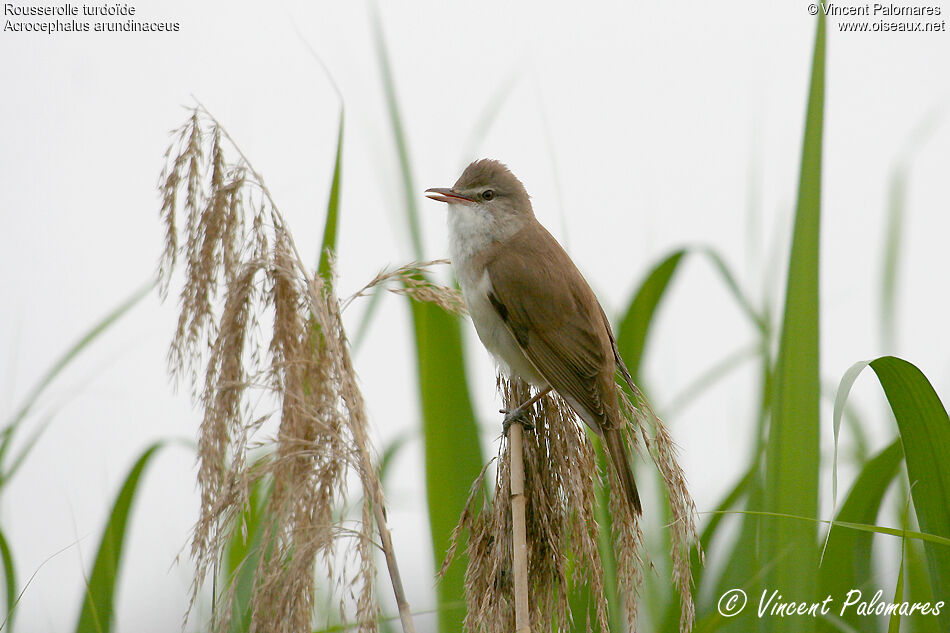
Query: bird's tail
x=613, y=440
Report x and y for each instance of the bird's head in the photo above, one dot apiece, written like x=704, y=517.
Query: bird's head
x=490, y=193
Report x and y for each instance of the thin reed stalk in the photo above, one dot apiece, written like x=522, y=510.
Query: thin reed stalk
x=518, y=528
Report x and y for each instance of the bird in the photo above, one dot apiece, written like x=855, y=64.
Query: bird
x=532, y=308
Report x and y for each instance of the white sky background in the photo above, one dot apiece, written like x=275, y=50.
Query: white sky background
x=636, y=127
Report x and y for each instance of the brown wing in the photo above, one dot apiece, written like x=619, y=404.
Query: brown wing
x=556, y=319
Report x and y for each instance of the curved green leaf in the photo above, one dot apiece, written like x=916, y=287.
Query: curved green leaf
x=841, y=397
x=9, y=582
x=635, y=324
x=6, y=434
x=97, y=606
x=925, y=435
x=26, y=448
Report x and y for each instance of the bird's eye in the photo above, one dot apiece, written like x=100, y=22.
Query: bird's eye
x=488, y=194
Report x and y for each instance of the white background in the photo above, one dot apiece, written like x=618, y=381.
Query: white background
x=637, y=128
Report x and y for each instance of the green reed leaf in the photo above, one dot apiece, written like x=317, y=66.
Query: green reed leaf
x=792, y=451
x=99, y=598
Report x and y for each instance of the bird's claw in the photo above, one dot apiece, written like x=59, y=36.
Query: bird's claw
x=512, y=416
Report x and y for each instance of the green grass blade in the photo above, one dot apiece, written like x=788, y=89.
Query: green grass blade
x=331, y=227
x=720, y=266
x=372, y=307
x=710, y=377
x=897, y=194
x=581, y=603
x=877, y=529
x=243, y=557
x=635, y=324
x=847, y=561
x=399, y=136
x=15, y=462
x=605, y=543
x=63, y=362
x=98, y=601
x=9, y=583
x=894, y=231
x=918, y=588
x=925, y=435
x=894, y=626
x=391, y=451
x=581, y=598
x=792, y=451
x=453, y=455
x=861, y=527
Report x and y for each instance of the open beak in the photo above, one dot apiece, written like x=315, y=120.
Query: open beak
x=447, y=195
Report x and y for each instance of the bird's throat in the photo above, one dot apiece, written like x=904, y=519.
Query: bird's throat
x=472, y=240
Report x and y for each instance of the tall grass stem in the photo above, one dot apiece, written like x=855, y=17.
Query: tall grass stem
x=518, y=528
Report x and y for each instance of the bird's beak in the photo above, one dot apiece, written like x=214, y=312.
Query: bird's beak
x=447, y=195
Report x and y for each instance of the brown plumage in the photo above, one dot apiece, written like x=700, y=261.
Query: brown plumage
x=560, y=327
x=531, y=306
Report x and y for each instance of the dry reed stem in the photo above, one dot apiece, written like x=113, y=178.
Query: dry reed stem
x=241, y=264
x=518, y=529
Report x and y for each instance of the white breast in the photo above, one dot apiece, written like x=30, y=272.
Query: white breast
x=467, y=237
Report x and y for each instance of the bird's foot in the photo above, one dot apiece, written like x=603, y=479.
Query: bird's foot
x=512, y=416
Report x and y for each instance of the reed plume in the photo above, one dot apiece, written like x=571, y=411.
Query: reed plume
x=563, y=536
x=242, y=271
